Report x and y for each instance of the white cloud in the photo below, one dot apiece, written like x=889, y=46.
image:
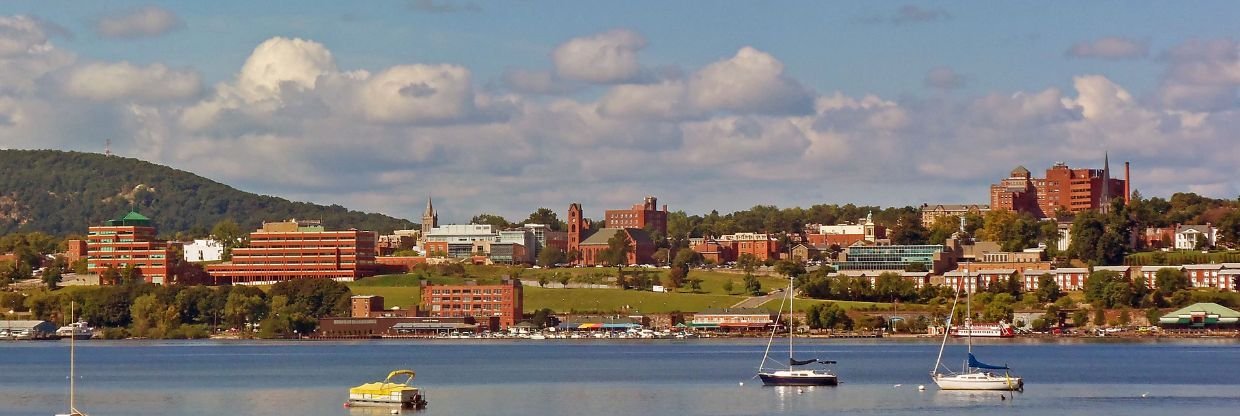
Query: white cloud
x=1201, y=75
x=294, y=124
x=751, y=81
x=281, y=63
x=604, y=58
x=146, y=21
x=27, y=53
x=412, y=93
x=122, y=80
x=1110, y=47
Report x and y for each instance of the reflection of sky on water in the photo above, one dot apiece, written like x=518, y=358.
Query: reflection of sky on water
x=608, y=378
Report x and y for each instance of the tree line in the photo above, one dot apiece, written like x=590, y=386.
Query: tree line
x=174, y=311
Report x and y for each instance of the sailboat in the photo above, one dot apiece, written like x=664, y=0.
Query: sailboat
x=793, y=376
x=73, y=411
x=974, y=375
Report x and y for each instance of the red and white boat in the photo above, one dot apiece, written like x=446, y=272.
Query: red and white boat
x=999, y=330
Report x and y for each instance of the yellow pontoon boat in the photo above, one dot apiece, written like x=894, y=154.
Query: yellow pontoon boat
x=388, y=393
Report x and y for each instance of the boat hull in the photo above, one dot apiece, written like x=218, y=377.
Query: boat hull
x=979, y=382
x=416, y=403
x=771, y=379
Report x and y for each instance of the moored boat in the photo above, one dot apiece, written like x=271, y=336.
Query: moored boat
x=794, y=376
x=76, y=330
x=999, y=330
x=388, y=393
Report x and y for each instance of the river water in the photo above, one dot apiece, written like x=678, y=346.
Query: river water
x=629, y=378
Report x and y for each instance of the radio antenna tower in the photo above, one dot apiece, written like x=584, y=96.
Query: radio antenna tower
x=107, y=148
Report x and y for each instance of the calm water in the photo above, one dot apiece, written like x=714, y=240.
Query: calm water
x=679, y=378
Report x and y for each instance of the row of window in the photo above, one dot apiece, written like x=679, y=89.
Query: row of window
x=467, y=291
x=438, y=299
x=488, y=307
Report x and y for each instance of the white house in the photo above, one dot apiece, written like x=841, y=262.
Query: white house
x=204, y=250
x=1186, y=236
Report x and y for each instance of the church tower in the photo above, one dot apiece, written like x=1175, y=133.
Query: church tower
x=576, y=227
x=429, y=219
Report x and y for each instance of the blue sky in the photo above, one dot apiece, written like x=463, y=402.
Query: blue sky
x=503, y=107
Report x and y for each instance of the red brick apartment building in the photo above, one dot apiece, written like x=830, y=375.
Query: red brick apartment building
x=296, y=249
x=479, y=301
x=129, y=240
x=1074, y=190
x=644, y=215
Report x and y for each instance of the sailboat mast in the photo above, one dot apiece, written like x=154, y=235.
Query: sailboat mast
x=791, y=313
x=968, y=320
x=72, y=361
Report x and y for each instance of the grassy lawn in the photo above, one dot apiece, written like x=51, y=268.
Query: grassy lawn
x=403, y=290
x=616, y=300
x=406, y=297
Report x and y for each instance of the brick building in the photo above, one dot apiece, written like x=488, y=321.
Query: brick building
x=77, y=250
x=1073, y=190
x=931, y=213
x=641, y=247
x=588, y=246
x=473, y=300
x=294, y=249
x=644, y=215
x=762, y=246
x=126, y=241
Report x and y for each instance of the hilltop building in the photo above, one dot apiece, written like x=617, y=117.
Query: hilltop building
x=1195, y=237
x=931, y=213
x=644, y=215
x=430, y=220
x=588, y=246
x=299, y=249
x=641, y=247
x=1073, y=190
x=128, y=241
x=845, y=235
x=936, y=258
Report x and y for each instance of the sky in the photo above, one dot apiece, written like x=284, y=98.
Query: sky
x=505, y=107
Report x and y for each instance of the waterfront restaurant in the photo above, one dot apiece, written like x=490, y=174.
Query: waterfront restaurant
x=733, y=319
x=1201, y=316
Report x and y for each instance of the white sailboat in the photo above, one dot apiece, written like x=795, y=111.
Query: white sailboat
x=974, y=374
x=793, y=376
x=73, y=411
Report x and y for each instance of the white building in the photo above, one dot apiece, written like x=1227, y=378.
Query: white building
x=1186, y=236
x=204, y=250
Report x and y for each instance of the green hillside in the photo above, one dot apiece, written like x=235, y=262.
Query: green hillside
x=62, y=193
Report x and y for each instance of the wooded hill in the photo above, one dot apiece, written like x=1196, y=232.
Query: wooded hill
x=62, y=193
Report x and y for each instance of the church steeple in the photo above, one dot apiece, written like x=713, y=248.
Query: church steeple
x=430, y=219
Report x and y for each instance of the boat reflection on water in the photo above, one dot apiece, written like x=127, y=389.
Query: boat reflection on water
x=957, y=398
x=379, y=411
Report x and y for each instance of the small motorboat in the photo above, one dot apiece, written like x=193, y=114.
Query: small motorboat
x=388, y=393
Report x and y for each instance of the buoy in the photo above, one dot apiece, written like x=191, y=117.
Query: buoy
x=1002, y=397
x=921, y=387
x=1146, y=394
x=742, y=383
x=898, y=385
x=346, y=405
x=799, y=391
